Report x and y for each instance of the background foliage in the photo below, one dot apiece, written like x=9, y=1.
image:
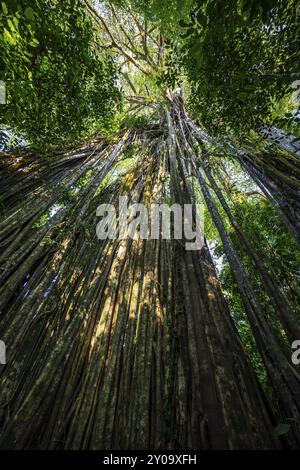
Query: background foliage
x=60, y=84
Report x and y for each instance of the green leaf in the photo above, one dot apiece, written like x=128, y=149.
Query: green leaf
x=4, y=8
x=188, y=33
x=202, y=19
x=29, y=13
x=185, y=24
x=8, y=37
x=282, y=429
x=11, y=25
x=16, y=22
x=34, y=42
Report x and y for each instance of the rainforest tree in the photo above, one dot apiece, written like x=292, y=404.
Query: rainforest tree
x=135, y=343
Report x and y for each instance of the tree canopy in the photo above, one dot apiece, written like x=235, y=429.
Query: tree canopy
x=60, y=84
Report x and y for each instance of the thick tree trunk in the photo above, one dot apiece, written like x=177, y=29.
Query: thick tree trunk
x=124, y=343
